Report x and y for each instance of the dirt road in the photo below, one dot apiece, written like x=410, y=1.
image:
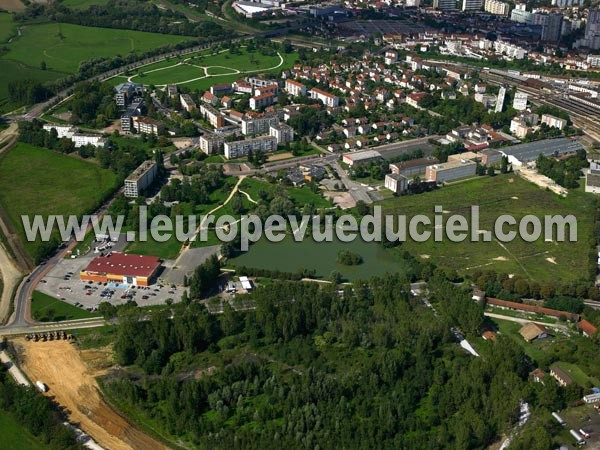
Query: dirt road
x=11, y=276
x=70, y=376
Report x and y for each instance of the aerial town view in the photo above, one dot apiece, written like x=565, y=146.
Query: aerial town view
x=299, y=224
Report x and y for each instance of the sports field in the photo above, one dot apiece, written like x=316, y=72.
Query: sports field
x=504, y=194
x=203, y=69
x=64, y=46
x=38, y=181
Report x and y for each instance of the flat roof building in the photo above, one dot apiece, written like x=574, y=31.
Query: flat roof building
x=361, y=157
x=121, y=268
x=524, y=153
x=140, y=179
x=451, y=170
x=239, y=149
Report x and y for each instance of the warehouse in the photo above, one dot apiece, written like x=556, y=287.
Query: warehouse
x=524, y=153
x=122, y=268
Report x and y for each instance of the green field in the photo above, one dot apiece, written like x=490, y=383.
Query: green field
x=7, y=27
x=17, y=437
x=45, y=308
x=64, y=46
x=210, y=68
x=39, y=181
x=291, y=256
x=13, y=70
x=82, y=4
x=504, y=194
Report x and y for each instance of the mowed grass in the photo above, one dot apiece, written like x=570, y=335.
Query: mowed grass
x=219, y=65
x=64, y=46
x=495, y=196
x=15, y=436
x=49, y=309
x=39, y=181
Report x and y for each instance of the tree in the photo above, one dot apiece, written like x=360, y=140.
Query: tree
x=43, y=65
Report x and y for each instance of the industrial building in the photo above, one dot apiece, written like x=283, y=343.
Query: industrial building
x=361, y=157
x=524, y=153
x=451, y=170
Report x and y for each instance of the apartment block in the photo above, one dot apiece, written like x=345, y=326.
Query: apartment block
x=325, y=97
x=238, y=149
x=295, y=88
x=282, y=132
x=258, y=124
x=211, y=143
x=212, y=115
x=140, y=179
x=553, y=122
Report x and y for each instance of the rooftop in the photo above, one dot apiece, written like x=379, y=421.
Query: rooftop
x=546, y=147
x=140, y=171
x=124, y=264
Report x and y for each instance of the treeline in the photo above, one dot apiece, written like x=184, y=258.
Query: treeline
x=204, y=277
x=291, y=378
x=197, y=189
x=275, y=274
x=26, y=91
x=36, y=413
x=565, y=172
x=130, y=15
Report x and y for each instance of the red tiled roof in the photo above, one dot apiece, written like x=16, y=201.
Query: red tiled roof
x=124, y=264
x=531, y=308
x=587, y=327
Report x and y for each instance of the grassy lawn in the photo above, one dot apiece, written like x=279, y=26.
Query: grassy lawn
x=17, y=437
x=45, y=308
x=64, y=46
x=13, y=70
x=82, y=4
x=300, y=196
x=220, y=67
x=7, y=27
x=578, y=375
x=38, y=181
x=167, y=250
x=504, y=194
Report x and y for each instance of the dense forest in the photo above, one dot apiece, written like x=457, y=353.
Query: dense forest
x=314, y=366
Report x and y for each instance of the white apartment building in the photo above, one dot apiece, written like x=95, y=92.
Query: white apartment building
x=238, y=149
x=81, y=140
x=140, y=179
x=553, y=121
x=511, y=50
x=520, y=101
x=211, y=143
x=497, y=7
x=282, y=132
x=295, y=88
x=325, y=97
x=259, y=124
x=61, y=130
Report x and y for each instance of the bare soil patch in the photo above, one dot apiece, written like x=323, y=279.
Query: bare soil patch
x=70, y=376
x=12, y=5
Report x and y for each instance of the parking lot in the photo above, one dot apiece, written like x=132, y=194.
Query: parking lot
x=63, y=282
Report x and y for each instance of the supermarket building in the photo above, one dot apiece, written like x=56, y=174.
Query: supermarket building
x=122, y=268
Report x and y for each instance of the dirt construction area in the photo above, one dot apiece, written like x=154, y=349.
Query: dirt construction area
x=70, y=376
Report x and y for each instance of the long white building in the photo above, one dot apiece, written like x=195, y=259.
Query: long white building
x=238, y=149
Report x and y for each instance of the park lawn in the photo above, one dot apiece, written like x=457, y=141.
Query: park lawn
x=221, y=67
x=64, y=46
x=34, y=181
x=17, y=437
x=300, y=196
x=166, y=250
x=495, y=196
x=45, y=308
